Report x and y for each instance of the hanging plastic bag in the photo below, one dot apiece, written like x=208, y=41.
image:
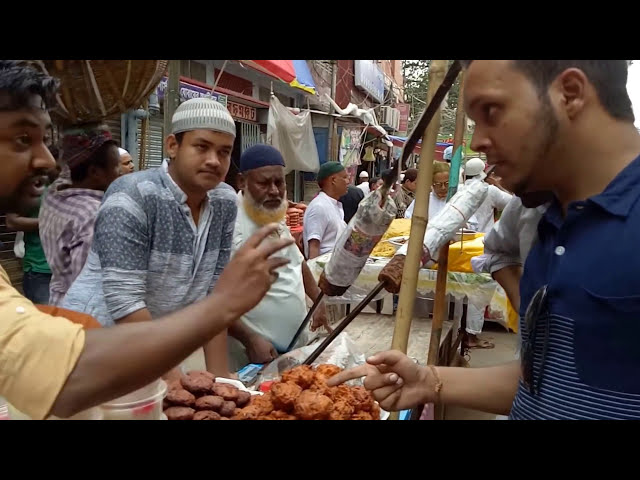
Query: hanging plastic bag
x=293, y=136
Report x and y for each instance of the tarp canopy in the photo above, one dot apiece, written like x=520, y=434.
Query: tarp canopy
x=294, y=72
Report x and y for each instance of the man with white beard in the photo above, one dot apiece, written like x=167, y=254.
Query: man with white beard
x=266, y=331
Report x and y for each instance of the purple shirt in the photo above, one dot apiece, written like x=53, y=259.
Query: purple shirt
x=66, y=222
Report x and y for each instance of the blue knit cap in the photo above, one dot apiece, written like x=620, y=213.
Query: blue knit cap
x=260, y=156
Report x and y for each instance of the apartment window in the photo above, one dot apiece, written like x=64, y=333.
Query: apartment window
x=192, y=69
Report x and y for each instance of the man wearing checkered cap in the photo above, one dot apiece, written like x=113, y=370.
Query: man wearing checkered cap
x=163, y=236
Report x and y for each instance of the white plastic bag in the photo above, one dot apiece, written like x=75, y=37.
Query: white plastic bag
x=18, y=245
x=343, y=352
x=293, y=136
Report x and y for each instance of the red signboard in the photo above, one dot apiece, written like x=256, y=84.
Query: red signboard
x=242, y=112
x=404, y=109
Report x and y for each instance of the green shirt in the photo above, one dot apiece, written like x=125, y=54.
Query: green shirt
x=34, y=259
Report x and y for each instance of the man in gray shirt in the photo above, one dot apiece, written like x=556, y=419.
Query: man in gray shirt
x=508, y=243
x=163, y=236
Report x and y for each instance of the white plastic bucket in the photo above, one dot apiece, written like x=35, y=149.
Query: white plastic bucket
x=143, y=404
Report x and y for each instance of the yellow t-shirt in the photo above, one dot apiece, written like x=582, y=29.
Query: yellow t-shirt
x=37, y=352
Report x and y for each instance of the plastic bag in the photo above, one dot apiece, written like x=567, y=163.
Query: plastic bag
x=18, y=245
x=343, y=352
x=293, y=136
x=356, y=242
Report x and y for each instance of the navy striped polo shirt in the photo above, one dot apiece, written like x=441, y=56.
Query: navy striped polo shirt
x=590, y=263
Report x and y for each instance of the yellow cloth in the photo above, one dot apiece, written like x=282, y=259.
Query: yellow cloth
x=37, y=352
x=398, y=228
x=461, y=253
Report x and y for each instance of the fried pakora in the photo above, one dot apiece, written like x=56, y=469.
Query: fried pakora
x=284, y=395
x=312, y=405
x=302, y=375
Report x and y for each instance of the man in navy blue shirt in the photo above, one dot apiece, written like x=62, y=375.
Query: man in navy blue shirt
x=548, y=125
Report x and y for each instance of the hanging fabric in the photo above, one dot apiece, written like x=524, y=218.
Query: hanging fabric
x=293, y=136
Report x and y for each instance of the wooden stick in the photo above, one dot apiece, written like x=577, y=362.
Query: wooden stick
x=440, y=303
x=407, y=296
x=344, y=323
x=94, y=84
x=306, y=320
x=420, y=213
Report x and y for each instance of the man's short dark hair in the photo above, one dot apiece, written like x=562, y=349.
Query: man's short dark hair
x=21, y=81
x=99, y=159
x=410, y=175
x=373, y=181
x=609, y=78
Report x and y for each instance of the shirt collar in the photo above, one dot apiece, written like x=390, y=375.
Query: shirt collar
x=617, y=198
x=622, y=193
x=177, y=192
x=332, y=200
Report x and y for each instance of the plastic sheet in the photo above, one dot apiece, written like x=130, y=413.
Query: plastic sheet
x=293, y=135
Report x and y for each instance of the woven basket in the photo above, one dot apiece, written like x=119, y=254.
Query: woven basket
x=92, y=90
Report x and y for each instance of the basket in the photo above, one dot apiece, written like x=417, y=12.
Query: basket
x=92, y=90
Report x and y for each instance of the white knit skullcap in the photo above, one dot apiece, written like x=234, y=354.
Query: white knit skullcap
x=202, y=114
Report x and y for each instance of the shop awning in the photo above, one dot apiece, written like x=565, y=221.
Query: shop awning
x=303, y=80
x=294, y=72
x=280, y=69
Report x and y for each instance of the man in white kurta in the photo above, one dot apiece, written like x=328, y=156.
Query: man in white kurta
x=324, y=217
x=266, y=331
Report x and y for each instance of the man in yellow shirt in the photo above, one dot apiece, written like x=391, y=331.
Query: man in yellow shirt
x=49, y=365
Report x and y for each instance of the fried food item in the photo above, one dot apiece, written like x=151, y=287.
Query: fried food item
x=197, y=383
x=228, y=409
x=301, y=375
x=362, y=416
x=209, y=402
x=281, y=415
x=319, y=384
x=364, y=400
x=181, y=398
x=328, y=370
x=342, y=393
x=203, y=373
x=262, y=403
x=166, y=404
x=174, y=385
x=207, y=415
x=179, y=413
x=312, y=405
x=341, y=411
x=243, y=398
x=226, y=391
x=250, y=412
x=375, y=411
x=284, y=395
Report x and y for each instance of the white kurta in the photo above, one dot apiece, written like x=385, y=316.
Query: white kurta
x=280, y=313
x=323, y=221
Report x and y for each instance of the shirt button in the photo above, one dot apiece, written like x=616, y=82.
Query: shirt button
x=560, y=251
x=20, y=310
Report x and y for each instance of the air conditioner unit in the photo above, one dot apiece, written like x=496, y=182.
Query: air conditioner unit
x=386, y=117
x=396, y=119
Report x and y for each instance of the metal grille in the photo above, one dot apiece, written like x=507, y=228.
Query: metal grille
x=155, y=138
x=249, y=135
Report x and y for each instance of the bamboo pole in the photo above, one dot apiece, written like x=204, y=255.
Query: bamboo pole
x=406, y=300
x=440, y=309
x=419, y=219
x=440, y=304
